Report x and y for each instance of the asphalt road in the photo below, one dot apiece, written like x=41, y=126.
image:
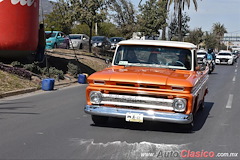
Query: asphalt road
x=53, y=125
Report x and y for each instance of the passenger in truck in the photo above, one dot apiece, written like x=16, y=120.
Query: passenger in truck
x=131, y=57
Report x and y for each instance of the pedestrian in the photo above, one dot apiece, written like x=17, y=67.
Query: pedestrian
x=41, y=43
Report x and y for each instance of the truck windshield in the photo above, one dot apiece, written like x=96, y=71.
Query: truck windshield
x=153, y=56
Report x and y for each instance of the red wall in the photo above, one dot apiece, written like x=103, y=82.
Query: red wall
x=19, y=22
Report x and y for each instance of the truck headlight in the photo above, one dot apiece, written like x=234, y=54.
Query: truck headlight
x=179, y=104
x=95, y=97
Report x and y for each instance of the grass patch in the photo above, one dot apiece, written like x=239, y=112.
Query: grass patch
x=10, y=82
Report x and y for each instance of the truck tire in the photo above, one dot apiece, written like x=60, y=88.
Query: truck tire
x=201, y=107
x=189, y=126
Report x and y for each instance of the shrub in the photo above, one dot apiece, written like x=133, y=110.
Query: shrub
x=73, y=69
x=33, y=68
x=16, y=64
x=53, y=73
x=15, y=70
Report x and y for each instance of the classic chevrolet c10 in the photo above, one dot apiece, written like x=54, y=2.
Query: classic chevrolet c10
x=149, y=80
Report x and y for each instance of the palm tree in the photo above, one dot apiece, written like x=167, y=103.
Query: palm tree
x=218, y=31
x=164, y=27
x=179, y=8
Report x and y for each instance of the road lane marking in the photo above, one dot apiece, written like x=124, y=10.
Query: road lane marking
x=234, y=79
x=235, y=70
x=222, y=145
x=224, y=124
x=230, y=100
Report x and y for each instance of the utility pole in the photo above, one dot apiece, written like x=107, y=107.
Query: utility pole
x=96, y=29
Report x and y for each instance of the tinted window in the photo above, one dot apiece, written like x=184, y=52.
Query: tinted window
x=224, y=54
x=115, y=39
x=75, y=36
x=97, y=38
x=201, y=53
x=48, y=34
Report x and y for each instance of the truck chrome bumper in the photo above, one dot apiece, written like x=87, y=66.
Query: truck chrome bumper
x=149, y=115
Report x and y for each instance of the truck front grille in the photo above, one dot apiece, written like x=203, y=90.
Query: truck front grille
x=137, y=101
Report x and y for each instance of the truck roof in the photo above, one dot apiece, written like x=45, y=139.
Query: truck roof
x=159, y=43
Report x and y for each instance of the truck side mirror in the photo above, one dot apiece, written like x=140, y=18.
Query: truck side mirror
x=200, y=67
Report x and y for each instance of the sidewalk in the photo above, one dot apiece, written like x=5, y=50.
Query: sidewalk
x=57, y=85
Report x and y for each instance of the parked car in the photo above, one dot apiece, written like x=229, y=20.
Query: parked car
x=201, y=56
x=224, y=57
x=56, y=39
x=149, y=81
x=101, y=42
x=78, y=41
x=114, y=41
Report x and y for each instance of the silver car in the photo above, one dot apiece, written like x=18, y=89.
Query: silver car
x=78, y=41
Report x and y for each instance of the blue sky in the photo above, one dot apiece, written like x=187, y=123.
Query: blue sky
x=226, y=12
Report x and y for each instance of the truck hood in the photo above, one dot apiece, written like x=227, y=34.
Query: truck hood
x=144, y=75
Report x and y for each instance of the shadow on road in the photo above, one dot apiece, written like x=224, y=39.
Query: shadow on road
x=200, y=119
x=201, y=116
x=15, y=110
x=213, y=73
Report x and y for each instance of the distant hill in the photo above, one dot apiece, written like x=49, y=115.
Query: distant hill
x=45, y=7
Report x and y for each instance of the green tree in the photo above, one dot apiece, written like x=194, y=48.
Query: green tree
x=173, y=32
x=124, y=15
x=80, y=28
x=179, y=6
x=195, y=36
x=210, y=40
x=153, y=17
x=60, y=17
x=89, y=12
x=108, y=29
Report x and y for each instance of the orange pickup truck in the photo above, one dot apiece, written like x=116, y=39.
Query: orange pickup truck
x=149, y=80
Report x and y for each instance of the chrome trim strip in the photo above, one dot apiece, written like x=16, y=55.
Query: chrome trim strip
x=149, y=115
x=142, y=98
x=196, y=89
x=137, y=101
x=139, y=105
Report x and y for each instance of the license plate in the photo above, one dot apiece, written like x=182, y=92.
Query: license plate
x=134, y=117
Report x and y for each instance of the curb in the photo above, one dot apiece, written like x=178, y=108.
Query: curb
x=65, y=83
x=17, y=92
x=33, y=89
